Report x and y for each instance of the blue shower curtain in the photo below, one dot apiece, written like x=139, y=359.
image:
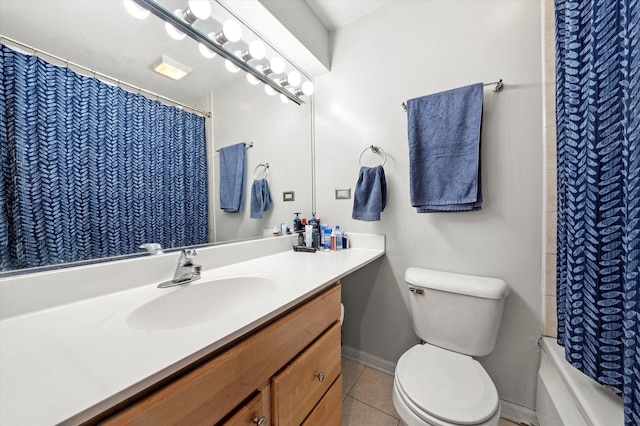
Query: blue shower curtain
x=89, y=170
x=598, y=128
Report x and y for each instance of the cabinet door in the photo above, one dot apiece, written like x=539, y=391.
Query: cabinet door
x=299, y=387
x=250, y=414
x=328, y=412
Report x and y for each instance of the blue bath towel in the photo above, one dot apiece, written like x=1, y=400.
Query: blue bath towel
x=370, y=195
x=260, y=198
x=233, y=169
x=444, y=150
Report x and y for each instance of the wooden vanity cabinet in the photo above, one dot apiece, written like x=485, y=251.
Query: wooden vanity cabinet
x=272, y=373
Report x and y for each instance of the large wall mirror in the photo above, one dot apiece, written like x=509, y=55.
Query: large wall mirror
x=103, y=36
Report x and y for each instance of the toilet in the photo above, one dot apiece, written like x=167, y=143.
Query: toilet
x=457, y=317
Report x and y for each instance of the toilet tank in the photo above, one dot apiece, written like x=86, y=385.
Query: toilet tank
x=461, y=313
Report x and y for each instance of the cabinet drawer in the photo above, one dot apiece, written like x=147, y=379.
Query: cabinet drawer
x=299, y=387
x=206, y=394
x=328, y=412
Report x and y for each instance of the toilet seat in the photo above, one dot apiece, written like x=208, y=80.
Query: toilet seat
x=436, y=383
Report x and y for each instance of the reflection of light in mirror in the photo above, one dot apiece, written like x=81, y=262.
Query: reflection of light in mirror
x=307, y=88
x=173, y=32
x=135, y=10
x=205, y=51
x=230, y=66
x=284, y=99
x=252, y=80
x=269, y=90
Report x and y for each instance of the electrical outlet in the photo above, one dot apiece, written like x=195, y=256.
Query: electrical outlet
x=343, y=194
x=289, y=196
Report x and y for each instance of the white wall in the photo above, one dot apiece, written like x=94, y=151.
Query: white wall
x=281, y=134
x=412, y=48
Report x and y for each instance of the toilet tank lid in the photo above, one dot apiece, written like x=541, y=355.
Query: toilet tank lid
x=484, y=287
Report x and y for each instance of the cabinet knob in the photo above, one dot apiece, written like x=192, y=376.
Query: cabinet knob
x=261, y=421
x=320, y=376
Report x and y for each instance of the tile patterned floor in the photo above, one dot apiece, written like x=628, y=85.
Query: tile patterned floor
x=367, y=397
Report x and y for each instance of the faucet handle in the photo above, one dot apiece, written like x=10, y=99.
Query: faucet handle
x=190, y=253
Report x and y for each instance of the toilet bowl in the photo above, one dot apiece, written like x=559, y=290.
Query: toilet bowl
x=439, y=382
x=433, y=386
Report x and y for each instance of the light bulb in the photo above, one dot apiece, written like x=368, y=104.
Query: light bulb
x=284, y=99
x=201, y=9
x=135, y=10
x=205, y=51
x=269, y=90
x=307, y=88
x=230, y=66
x=252, y=80
x=173, y=32
x=293, y=78
x=276, y=65
x=256, y=50
x=232, y=31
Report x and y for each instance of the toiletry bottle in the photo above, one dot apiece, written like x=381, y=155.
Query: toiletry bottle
x=338, y=238
x=297, y=223
x=308, y=232
x=327, y=238
x=333, y=239
x=315, y=224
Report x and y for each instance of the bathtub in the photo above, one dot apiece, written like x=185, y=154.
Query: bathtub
x=567, y=397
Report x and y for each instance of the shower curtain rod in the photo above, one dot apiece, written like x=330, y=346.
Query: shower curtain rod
x=96, y=74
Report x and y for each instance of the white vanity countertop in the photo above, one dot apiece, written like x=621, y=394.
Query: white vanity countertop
x=68, y=363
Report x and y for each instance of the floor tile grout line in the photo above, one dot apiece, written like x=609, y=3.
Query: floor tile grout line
x=375, y=408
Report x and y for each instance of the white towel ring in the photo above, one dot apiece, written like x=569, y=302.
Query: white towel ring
x=266, y=170
x=375, y=150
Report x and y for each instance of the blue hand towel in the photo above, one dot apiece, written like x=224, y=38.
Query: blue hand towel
x=444, y=150
x=233, y=167
x=260, y=198
x=370, y=195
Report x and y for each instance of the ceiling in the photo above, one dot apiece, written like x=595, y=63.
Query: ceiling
x=335, y=14
x=102, y=36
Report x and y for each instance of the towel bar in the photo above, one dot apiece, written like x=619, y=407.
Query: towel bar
x=266, y=170
x=249, y=145
x=375, y=150
x=499, y=86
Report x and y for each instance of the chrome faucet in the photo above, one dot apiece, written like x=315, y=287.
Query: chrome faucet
x=186, y=271
x=152, y=248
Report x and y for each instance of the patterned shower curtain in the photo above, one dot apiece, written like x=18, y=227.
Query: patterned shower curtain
x=89, y=170
x=598, y=127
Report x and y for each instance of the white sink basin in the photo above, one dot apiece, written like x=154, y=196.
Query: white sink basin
x=202, y=301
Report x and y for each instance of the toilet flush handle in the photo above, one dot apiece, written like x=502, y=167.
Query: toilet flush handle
x=416, y=290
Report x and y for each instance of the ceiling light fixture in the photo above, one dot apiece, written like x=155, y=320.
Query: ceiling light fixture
x=170, y=68
x=278, y=75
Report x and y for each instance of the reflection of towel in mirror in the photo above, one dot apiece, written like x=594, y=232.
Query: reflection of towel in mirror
x=260, y=198
x=444, y=150
x=370, y=195
x=233, y=167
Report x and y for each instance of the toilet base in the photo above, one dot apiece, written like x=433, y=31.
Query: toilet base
x=409, y=418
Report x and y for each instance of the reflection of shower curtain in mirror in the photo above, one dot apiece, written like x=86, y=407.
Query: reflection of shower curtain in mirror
x=89, y=170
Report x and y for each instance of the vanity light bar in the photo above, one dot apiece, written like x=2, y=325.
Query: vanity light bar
x=200, y=37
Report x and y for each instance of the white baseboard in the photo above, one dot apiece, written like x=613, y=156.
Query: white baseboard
x=369, y=360
x=518, y=413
